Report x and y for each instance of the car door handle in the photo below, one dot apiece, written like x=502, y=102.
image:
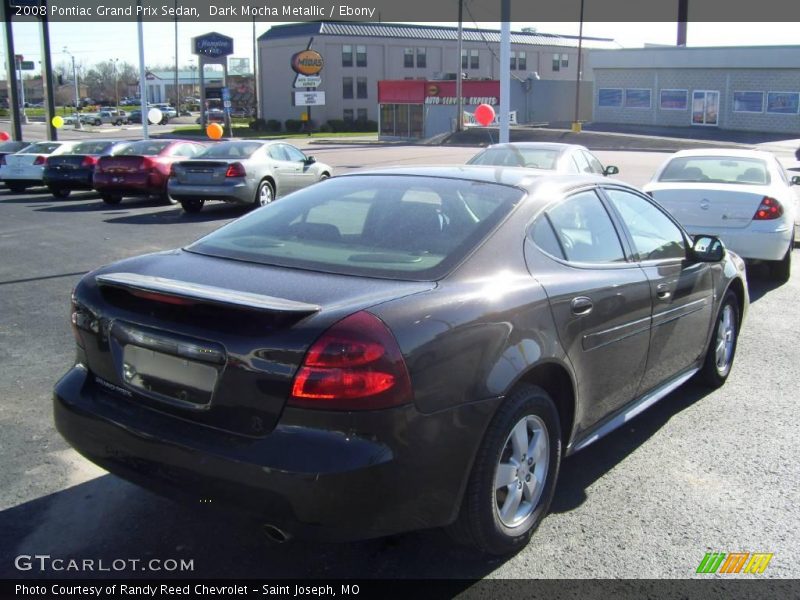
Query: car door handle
x=581, y=305
x=662, y=291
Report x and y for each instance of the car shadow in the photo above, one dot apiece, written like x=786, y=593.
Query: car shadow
x=177, y=215
x=105, y=518
x=580, y=471
x=94, y=205
x=759, y=282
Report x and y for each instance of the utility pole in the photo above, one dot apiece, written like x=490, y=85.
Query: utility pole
x=460, y=71
x=505, y=69
x=78, y=124
x=47, y=79
x=683, y=17
x=255, y=70
x=177, y=94
x=576, y=124
x=18, y=61
x=142, y=75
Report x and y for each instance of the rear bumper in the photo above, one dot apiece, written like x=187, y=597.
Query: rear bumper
x=752, y=244
x=323, y=475
x=238, y=193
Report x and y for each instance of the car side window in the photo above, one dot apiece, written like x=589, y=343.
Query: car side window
x=654, y=234
x=585, y=231
x=543, y=236
x=581, y=162
x=594, y=164
x=276, y=152
x=293, y=154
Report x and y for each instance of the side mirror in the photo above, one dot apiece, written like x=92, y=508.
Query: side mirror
x=610, y=170
x=310, y=160
x=795, y=180
x=708, y=248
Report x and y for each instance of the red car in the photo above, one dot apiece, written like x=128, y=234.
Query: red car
x=141, y=169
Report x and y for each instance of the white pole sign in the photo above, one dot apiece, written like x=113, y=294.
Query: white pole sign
x=309, y=98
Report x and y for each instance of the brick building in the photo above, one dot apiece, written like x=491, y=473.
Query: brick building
x=737, y=88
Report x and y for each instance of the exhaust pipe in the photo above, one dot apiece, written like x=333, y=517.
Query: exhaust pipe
x=279, y=536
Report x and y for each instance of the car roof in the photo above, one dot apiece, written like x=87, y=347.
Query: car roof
x=732, y=152
x=539, y=145
x=521, y=177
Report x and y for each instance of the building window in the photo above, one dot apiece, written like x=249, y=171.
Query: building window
x=522, y=61
x=361, y=114
x=464, y=60
x=556, y=62
x=785, y=103
x=347, y=87
x=361, y=56
x=673, y=99
x=609, y=97
x=422, y=58
x=361, y=87
x=513, y=61
x=473, y=59
x=637, y=98
x=347, y=56
x=347, y=114
x=408, y=58
x=564, y=61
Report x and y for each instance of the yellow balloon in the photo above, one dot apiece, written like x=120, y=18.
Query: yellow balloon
x=58, y=122
x=214, y=131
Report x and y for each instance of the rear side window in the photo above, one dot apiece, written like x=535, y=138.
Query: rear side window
x=393, y=226
x=143, y=148
x=584, y=230
x=91, y=148
x=654, y=234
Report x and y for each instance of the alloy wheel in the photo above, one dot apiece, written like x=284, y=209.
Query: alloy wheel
x=726, y=335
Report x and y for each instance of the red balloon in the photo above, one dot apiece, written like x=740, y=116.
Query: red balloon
x=4, y=137
x=484, y=114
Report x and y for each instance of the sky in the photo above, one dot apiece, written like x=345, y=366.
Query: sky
x=119, y=40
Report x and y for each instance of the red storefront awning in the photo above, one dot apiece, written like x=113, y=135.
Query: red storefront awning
x=407, y=91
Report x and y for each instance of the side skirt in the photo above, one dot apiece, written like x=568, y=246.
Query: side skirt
x=630, y=411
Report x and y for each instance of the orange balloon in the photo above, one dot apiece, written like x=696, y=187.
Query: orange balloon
x=214, y=131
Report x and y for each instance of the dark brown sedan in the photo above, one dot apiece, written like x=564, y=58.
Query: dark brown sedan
x=396, y=350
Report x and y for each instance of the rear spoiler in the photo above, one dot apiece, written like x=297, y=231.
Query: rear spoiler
x=204, y=293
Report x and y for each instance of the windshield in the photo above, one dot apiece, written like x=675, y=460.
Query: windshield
x=716, y=169
x=42, y=148
x=395, y=226
x=515, y=156
x=144, y=148
x=91, y=148
x=231, y=150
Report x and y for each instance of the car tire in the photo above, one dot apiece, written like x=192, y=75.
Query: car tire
x=111, y=198
x=489, y=520
x=192, y=206
x=17, y=188
x=167, y=199
x=781, y=270
x=265, y=194
x=59, y=192
x=323, y=177
x=97, y=123
x=722, y=347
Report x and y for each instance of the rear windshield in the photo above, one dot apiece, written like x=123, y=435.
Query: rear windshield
x=716, y=169
x=513, y=156
x=143, y=148
x=230, y=150
x=392, y=226
x=91, y=148
x=13, y=146
x=42, y=148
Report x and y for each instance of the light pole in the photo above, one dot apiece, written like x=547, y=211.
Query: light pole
x=78, y=124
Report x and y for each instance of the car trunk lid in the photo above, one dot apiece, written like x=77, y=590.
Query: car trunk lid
x=718, y=205
x=201, y=172
x=123, y=164
x=213, y=340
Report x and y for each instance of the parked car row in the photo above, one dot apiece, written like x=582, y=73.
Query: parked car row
x=250, y=173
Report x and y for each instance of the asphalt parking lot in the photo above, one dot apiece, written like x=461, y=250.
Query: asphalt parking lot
x=701, y=471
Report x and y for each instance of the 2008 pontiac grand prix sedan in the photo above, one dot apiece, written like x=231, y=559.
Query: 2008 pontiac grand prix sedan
x=397, y=350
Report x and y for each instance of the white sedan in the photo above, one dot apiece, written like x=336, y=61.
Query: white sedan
x=25, y=169
x=744, y=197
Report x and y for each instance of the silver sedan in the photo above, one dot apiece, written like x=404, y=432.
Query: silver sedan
x=250, y=172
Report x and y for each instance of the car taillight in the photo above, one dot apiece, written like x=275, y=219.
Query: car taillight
x=235, y=170
x=354, y=365
x=148, y=163
x=165, y=298
x=89, y=161
x=768, y=209
x=39, y=160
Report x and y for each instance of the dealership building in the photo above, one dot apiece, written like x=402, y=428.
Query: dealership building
x=359, y=55
x=738, y=88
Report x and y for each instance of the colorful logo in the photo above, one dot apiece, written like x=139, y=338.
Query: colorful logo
x=307, y=62
x=735, y=562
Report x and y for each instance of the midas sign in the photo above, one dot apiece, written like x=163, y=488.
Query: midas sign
x=307, y=62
